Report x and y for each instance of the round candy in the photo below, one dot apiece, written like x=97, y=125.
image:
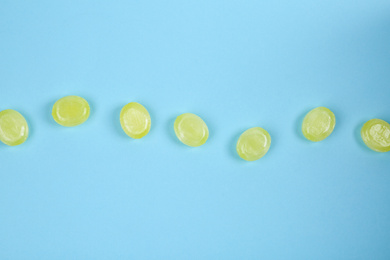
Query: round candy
x=191, y=129
x=318, y=124
x=71, y=111
x=135, y=120
x=376, y=135
x=253, y=144
x=13, y=127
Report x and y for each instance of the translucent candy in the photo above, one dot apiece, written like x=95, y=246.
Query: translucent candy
x=318, y=124
x=253, y=144
x=13, y=127
x=376, y=135
x=71, y=111
x=191, y=130
x=135, y=120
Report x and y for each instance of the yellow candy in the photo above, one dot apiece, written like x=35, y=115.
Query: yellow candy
x=13, y=127
x=253, y=144
x=376, y=135
x=318, y=124
x=191, y=130
x=135, y=120
x=71, y=111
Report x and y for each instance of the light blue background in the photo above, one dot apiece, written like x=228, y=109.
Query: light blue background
x=91, y=192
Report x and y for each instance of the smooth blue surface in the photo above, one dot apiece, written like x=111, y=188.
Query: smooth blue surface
x=91, y=192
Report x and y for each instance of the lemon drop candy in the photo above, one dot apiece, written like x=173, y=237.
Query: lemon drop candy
x=376, y=135
x=135, y=120
x=13, y=127
x=253, y=144
x=191, y=130
x=71, y=111
x=318, y=124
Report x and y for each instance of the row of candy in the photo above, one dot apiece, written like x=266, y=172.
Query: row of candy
x=190, y=129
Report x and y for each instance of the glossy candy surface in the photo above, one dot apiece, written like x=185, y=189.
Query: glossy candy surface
x=135, y=120
x=318, y=124
x=13, y=127
x=376, y=135
x=71, y=111
x=191, y=130
x=253, y=144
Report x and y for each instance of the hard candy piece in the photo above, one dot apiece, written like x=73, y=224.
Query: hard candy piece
x=253, y=144
x=13, y=127
x=376, y=135
x=135, y=120
x=71, y=111
x=191, y=130
x=318, y=124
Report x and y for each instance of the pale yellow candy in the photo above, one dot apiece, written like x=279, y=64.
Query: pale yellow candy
x=376, y=135
x=253, y=144
x=71, y=111
x=135, y=120
x=191, y=130
x=13, y=127
x=318, y=124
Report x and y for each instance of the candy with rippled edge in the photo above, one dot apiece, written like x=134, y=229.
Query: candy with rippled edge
x=135, y=120
x=318, y=124
x=71, y=111
x=191, y=130
x=376, y=135
x=253, y=144
x=13, y=127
